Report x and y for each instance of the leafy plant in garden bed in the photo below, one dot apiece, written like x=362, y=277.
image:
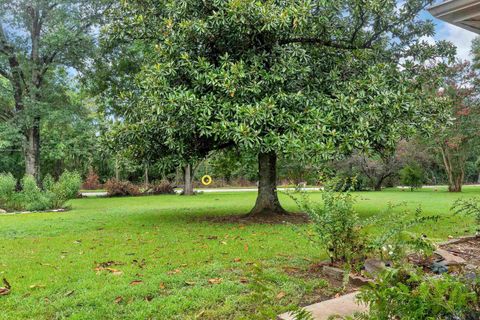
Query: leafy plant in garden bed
x=337, y=226
x=411, y=294
x=31, y=197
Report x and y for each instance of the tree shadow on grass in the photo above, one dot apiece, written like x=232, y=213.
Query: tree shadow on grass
x=293, y=218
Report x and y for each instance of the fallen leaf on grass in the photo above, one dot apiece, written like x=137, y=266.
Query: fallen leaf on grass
x=243, y=280
x=148, y=298
x=118, y=299
x=113, y=271
x=36, y=286
x=245, y=247
x=161, y=285
x=109, y=264
x=190, y=283
x=136, y=282
x=215, y=280
x=140, y=263
x=174, y=271
x=4, y=290
x=280, y=295
x=237, y=260
x=69, y=293
x=289, y=269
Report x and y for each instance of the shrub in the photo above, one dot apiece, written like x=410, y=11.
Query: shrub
x=412, y=176
x=413, y=295
x=395, y=241
x=7, y=189
x=31, y=197
x=67, y=187
x=335, y=222
x=119, y=188
x=337, y=226
x=91, y=181
x=161, y=187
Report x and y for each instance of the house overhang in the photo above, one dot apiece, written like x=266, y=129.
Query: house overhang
x=462, y=13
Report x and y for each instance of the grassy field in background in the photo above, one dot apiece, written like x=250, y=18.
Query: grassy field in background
x=171, y=263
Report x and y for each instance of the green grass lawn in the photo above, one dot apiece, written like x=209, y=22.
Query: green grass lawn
x=50, y=258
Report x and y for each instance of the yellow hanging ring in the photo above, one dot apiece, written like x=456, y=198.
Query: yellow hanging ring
x=206, y=180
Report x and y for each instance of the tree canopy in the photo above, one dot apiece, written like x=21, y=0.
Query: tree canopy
x=315, y=78
x=36, y=38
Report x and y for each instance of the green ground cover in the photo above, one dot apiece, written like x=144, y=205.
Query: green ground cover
x=177, y=257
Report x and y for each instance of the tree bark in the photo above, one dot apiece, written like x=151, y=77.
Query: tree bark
x=267, y=199
x=146, y=175
x=187, y=180
x=454, y=167
x=117, y=170
x=32, y=150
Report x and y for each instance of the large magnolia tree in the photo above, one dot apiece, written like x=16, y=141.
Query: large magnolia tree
x=36, y=38
x=315, y=78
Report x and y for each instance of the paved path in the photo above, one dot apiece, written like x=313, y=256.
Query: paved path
x=221, y=190
x=342, y=306
x=207, y=190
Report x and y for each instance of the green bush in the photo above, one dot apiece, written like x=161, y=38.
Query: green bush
x=413, y=295
x=337, y=226
x=395, y=241
x=32, y=198
x=7, y=190
x=67, y=187
x=335, y=222
x=412, y=176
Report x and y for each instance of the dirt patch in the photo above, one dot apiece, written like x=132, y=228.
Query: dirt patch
x=468, y=249
x=293, y=218
x=334, y=288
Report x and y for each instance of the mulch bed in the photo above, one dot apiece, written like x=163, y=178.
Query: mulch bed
x=468, y=249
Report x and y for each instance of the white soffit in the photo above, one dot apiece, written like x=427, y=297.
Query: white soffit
x=462, y=13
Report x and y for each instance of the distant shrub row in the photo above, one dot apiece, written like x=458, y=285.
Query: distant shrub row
x=121, y=188
x=30, y=197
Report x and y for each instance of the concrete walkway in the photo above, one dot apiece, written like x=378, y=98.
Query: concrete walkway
x=342, y=306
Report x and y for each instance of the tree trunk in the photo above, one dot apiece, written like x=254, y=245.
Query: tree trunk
x=187, y=180
x=32, y=150
x=454, y=167
x=117, y=170
x=146, y=175
x=267, y=199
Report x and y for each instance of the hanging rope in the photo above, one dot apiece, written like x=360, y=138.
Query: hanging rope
x=206, y=179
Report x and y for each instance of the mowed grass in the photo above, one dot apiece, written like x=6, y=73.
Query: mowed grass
x=179, y=257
